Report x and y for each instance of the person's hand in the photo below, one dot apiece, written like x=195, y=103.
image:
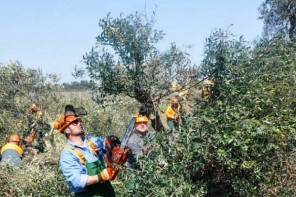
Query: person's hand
x=106, y=174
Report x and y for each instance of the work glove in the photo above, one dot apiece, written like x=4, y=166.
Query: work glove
x=106, y=174
x=109, y=173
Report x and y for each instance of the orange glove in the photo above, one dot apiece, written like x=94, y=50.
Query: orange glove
x=107, y=174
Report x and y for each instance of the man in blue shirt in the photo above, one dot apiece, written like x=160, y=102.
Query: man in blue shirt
x=82, y=160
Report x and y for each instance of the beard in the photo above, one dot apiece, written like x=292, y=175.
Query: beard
x=79, y=132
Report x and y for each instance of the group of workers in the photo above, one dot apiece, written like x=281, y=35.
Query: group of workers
x=12, y=152
x=83, y=159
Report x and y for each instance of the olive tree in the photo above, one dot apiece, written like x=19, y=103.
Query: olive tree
x=242, y=142
x=126, y=61
x=18, y=85
x=279, y=16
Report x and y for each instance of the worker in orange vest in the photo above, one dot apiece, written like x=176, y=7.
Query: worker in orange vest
x=12, y=151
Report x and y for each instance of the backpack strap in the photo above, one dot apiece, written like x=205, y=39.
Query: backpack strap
x=80, y=155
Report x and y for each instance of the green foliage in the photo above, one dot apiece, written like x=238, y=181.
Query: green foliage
x=38, y=179
x=241, y=143
x=75, y=85
x=126, y=62
x=224, y=59
x=134, y=67
x=279, y=16
x=16, y=91
x=250, y=112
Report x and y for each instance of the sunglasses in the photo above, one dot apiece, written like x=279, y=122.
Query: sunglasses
x=75, y=122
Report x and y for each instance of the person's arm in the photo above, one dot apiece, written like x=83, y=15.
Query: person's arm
x=74, y=172
x=91, y=180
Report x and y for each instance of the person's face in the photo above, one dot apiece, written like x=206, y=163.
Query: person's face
x=175, y=105
x=75, y=128
x=141, y=127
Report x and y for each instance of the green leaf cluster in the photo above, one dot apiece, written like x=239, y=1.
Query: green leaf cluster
x=241, y=142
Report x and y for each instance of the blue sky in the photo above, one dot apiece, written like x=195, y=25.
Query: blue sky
x=54, y=35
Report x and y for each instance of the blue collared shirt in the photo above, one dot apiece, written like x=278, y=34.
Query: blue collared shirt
x=73, y=170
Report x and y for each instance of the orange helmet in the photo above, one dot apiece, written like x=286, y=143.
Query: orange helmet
x=140, y=118
x=64, y=121
x=14, y=138
x=175, y=100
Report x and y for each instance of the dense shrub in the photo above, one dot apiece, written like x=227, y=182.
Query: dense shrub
x=241, y=142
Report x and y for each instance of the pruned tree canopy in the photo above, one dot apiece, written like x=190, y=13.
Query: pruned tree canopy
x=126, y=61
